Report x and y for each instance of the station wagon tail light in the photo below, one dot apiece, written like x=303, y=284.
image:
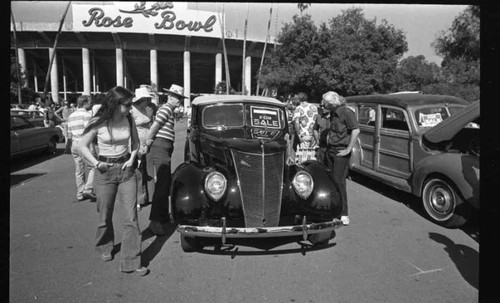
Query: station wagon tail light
x=215, y=185
x=303, y=184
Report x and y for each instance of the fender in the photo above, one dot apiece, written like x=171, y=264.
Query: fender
x=462, y=170
x=324, y=196
x=187, y=192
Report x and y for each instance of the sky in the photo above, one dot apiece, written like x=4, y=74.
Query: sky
x=422, y=24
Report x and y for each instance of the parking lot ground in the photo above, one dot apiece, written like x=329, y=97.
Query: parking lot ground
x=389, y=253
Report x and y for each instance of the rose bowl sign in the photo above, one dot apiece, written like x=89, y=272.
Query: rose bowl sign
x=145, y=17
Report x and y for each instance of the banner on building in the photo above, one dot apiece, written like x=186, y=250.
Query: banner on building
x=172, y=18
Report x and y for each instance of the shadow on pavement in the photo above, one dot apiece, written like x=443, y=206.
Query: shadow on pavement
x=17, y=179
x=471, y=227
x=465, y=258
x=154, y=248
x=34, y=159
x=267, y=246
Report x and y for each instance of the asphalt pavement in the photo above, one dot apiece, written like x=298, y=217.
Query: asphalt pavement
x=389, y=253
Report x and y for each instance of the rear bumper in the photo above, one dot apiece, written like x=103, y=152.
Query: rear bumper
x=259, y=232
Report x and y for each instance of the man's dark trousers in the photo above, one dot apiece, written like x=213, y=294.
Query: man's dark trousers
x=339, y=168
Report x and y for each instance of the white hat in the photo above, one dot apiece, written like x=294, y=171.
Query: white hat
x=143, y=92
x=176, y=90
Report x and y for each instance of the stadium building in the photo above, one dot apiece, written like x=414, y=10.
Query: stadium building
x=103, y=44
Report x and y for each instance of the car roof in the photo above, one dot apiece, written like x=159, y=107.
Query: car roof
x=214, y=99
x=407, y=99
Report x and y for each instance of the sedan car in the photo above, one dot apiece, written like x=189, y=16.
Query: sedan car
x=34, y=116
x=25, y=138
x=238, y=180
x=421, y=144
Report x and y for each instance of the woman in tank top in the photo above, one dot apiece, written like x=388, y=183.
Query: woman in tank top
x=114, y=179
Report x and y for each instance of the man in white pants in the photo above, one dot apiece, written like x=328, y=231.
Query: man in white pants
x=76, y=124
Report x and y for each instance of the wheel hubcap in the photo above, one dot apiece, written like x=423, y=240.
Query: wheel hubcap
x=440, y=202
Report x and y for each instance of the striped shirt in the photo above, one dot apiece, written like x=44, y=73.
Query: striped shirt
x=77, y=122
x=165, y=118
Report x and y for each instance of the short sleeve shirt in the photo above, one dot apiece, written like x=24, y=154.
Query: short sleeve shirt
x=322, y=126
x=342, y=121
x=165, y=118
x=306, y=113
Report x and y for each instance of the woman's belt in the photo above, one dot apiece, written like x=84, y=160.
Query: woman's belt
x=114, y=159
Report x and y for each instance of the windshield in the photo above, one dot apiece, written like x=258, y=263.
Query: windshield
x=238, y=120
x=223, y=116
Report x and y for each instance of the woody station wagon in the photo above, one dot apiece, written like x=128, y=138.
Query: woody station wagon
x=236, y=181
x=427, y=145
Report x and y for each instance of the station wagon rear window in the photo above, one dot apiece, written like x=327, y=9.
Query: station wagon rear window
x=429, y=117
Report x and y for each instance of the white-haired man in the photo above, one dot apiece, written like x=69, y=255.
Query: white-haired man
x=341, y=138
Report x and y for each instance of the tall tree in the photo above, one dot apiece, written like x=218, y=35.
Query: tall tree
x=351, y=55
x=460, y=48
x=461, y=41
x=303, y=6
x=414, y=73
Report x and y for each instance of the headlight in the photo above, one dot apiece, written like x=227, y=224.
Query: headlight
x=215, y=185
x=303, y=184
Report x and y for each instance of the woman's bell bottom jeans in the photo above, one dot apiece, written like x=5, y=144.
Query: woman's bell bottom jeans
x=120, y=186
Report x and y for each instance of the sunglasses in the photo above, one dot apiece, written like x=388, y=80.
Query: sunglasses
x=128, y=104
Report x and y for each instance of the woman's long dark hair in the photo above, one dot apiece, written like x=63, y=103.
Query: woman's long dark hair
x=114, y=97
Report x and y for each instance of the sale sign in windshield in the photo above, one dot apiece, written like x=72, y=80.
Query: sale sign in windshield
x=265, y=117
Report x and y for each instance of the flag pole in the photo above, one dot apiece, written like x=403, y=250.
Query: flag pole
x=18, y=69
x=46, y=86
x=264, y=51
x=243, y=68
x=221, y=21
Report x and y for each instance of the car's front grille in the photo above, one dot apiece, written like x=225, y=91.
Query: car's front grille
x=260, y=180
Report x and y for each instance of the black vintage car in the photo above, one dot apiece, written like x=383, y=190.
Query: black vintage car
x=238, y=180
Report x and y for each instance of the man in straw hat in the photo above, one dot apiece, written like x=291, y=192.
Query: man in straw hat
x=160, y=140
x=341, y=138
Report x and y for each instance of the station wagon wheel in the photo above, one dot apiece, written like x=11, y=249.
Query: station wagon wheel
x=52, y=147
x=441, y=202
x=190, y=244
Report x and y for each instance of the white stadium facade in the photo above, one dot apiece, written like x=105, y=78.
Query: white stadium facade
x=104, y=44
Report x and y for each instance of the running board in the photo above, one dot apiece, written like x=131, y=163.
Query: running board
x=399, y=183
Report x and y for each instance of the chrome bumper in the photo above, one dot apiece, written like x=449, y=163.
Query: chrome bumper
x=259, y=232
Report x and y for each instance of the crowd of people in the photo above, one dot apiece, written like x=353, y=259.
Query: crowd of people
x=122, y=148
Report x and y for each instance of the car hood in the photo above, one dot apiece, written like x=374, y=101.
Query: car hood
x=447, y=129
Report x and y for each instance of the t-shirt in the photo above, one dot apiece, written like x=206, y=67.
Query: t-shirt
x=66, y=111
x=306, y=113
x=165, y=118
x=342, y=121
x=77, y=122
x=322, y=126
